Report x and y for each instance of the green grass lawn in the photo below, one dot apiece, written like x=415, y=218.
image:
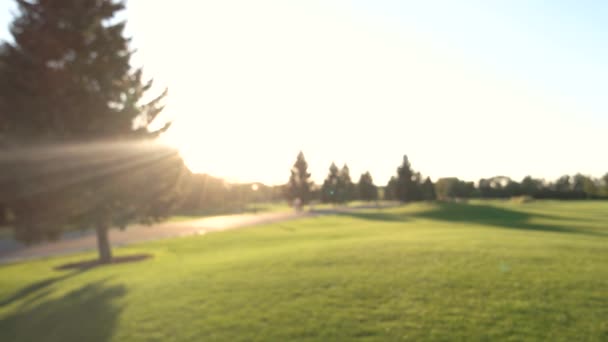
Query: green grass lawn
x=477, y=271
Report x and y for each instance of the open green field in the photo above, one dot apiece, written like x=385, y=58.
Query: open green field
x=448, y=271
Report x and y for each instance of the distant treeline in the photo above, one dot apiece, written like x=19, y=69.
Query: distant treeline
x=566, y=187
x=209, y=193
x=204, y=194
x=408, y=185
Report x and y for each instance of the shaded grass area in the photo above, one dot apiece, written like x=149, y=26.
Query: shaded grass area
x=38, y=322
x=476, y=271
x=88, y=264
x=492, y=213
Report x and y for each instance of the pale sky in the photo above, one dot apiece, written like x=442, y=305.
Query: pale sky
x=465, y=88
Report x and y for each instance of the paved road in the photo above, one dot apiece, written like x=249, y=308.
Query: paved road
x=11, y=252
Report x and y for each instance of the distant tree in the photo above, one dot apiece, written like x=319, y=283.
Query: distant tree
x=499, y=186
x=299, y=185
x=562, y=184
x=346, y=188
x=428, y=190
x=562, y=187
x=566, y=187
x=465, y=189
x=416, y=193
x=452, y=187
x=591, y=188
x=329, y=190
x=367, y=190
x=405, y=190
x=584, y=187
x=67, y=81
x=512, y=189
x=390, y=190
x=577, y=185
x=205, y=193
x=531, y=187
x=315, y=192
x=484, y=188
x=444, y=187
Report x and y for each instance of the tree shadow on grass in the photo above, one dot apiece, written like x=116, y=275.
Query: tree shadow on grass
x=377, y=216
x=78, y=267
x=88, y=264
x=475, y=213
x=35, y=287
x=366, y=214
x=86, y=314
x=496, y=216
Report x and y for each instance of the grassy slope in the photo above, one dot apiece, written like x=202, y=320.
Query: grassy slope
x=486, y=270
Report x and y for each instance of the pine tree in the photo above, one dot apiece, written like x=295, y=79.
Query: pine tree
x=67, y=80
x=416, y=193
x=67, y=76
x=329, y=189
x=390, y=190
x=367, y=190
x=299, y=185
x=428, y=190
x=405, y=190
x=346, y=188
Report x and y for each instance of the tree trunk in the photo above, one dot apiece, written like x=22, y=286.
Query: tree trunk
x=103, y=244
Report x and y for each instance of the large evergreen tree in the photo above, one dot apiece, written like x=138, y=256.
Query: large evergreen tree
x=428, y=190
x=367, y=190
x=406, y=189
x=67, y=75
x=346, y=187
x=69, y=93
x=416, y=193
x=299, y=185
x=390, y=190
x=329, y=189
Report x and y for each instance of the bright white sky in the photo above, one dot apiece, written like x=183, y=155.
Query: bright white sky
x=469, y=89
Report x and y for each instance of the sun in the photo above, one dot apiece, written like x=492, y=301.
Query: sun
x=204, y=152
